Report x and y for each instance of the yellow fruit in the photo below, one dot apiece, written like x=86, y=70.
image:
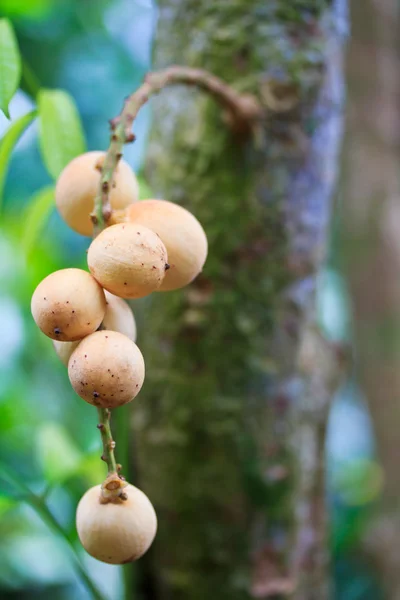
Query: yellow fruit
x=128, y=260
x=182, y=234
x=106, y=369
x=116, y=532
x=68, y=305
x=118, y=317
x=78, y=185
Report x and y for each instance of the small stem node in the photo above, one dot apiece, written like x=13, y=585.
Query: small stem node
x=245, y=113
x=108, y=442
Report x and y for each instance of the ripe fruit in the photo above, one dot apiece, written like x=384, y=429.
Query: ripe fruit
x=116, y=532
x=78, y=185
x=68, y=305
x=64, y=350
x=128, y=260
x=106, y=369
x=118, y=317
x=182, y=234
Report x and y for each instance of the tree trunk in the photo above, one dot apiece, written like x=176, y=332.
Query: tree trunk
x=227, y=409
x=371, y=247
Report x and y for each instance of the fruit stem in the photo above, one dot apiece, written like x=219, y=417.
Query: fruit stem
x=108, y=442
x=244, y=111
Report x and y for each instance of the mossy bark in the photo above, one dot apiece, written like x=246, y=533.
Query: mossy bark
x=220, y=414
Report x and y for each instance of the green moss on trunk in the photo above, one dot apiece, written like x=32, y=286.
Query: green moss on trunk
x=213, y=426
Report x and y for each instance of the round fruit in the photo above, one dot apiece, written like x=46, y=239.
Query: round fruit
x=182, y=234
x=68, y=305
x=128, y=260
x=64, y=350
x=78, y=185
x=119, y=317
x=116, y=532
x=106, y=369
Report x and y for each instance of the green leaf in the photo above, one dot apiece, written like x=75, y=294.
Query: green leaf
x=26, y=8
x=58, y=454
x=35, y=216
x=10, y=65
x=8, y=142
x=61, y=134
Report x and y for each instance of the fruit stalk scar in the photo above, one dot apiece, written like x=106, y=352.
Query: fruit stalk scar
x=244, y=112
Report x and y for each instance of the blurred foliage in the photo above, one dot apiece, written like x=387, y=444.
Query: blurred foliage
x=61, y=136
x=79, y=60
x=49, y=443
x=10, y=65
x=26, y=8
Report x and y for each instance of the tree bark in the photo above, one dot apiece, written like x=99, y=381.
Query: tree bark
x=229, y=431
x=370, y=242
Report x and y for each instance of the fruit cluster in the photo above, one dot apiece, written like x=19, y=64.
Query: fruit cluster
x=151, y=245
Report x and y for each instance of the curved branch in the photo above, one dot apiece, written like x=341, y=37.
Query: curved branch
x=244, y=110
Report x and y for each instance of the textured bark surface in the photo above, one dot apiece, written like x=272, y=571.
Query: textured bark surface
x=222, y=414
x=371, y=248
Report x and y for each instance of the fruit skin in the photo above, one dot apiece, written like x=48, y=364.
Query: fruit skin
x=182, y=234
x=64, y=350
x=116, y=532
x=106, y=369
x=128, y=260
x=79, y=183
x=68, y=305
x=118, y=317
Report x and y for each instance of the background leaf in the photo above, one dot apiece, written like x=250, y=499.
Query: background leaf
x=57, y=452
x=26, y=8
x=145, y=190
x=10, y=65
x=8, y=143
x=35, y=216
x=6, y=504
x=60, y=130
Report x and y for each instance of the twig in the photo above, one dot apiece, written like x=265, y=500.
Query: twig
x=244, y=110
x=108, y=442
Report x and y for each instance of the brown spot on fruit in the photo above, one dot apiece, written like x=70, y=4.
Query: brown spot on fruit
x=122, y=356
x=52, y=310
x=127, y=268
x=180, y=232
